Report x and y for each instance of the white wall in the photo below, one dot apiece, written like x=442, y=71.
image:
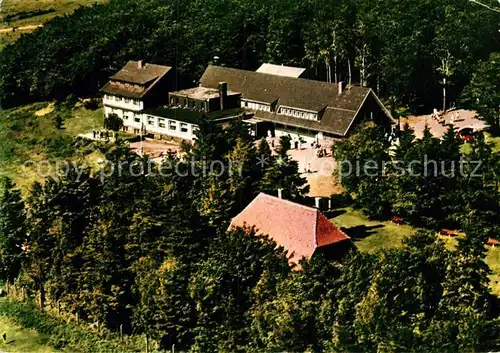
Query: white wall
x=153, y=124
x=309, y=137
x=124, y=103
x=170, y=127
x=128, y=117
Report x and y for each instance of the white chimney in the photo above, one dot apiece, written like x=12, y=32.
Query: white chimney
x=341, y=88
x=280, y=193
x=316, y=202
x=139, y=64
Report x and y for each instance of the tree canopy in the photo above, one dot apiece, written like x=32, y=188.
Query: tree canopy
x=412, y=52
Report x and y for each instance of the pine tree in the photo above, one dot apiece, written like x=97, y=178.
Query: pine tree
x=289, y=319
x=214, y=202
x=283, y=173
x=223, y=288
x=263, y=149
x=244, y=173
x=285, y=145
x=465, y=303
x=12, y=230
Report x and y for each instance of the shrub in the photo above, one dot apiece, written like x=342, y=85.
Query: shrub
x=70, y=101
x=91, y=104
x=59, y=146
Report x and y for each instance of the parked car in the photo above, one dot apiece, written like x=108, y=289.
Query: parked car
x=466, y=134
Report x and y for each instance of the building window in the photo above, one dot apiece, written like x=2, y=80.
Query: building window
x=161, y=123
x=246, y=104
x=172, y=125
x=137, y=120
x=151, y=120
x=127, y=100
x=184, y=127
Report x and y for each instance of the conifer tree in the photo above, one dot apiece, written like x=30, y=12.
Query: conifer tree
x=222, y=288
x=12, y=230
x=283, y=173
x=263, y=149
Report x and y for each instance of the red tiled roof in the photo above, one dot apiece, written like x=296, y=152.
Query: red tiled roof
x=299, y=229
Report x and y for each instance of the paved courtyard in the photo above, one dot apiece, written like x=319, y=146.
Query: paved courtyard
x=317, y=170
x=460, y=118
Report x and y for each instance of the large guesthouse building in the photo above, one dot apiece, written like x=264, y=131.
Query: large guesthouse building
x=134, y=88
x=272, y=100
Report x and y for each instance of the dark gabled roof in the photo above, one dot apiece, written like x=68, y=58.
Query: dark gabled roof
x=290, y=91
x=254, y=86
x=131, y=73
x=299, y=229
x=120, y=90
x=122, y=83
x=334, y=121
x=193, y=116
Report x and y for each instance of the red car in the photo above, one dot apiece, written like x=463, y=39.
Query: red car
x=466, y=134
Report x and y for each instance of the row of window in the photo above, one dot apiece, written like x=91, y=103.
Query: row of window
x=282, y=110
x=298, y=113
x=126, y=100
x=162, y=123
x=189, y=103
x=256, y=106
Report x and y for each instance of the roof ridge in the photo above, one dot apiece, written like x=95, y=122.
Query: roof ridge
x=316, y=230
x=287, y=201
x=281, y=77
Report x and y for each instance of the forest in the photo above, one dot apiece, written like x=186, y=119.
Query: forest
x=417, y=55
x=152, y=255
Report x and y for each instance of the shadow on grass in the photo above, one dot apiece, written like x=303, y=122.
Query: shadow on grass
x=341, y=201
x=334, y=213
x=361, y=232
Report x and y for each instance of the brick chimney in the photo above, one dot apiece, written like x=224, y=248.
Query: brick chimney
x=341, y=87
x=139, y=64
x=223, y=94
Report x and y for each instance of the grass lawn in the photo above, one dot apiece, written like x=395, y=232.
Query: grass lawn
x=494, y=142
x=28, y=134
x=20, y=339
x=23, y=13
x=371, y=236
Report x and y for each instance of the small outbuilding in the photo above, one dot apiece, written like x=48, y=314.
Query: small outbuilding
x=301, y=230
